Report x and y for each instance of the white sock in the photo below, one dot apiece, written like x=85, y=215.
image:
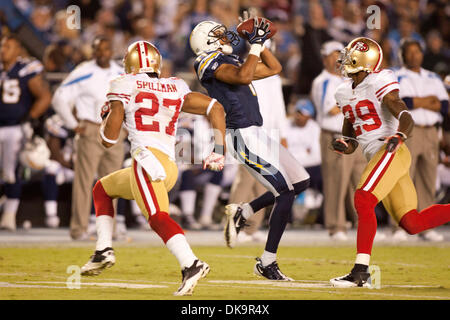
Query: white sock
x=362, y=258
x=211, y=194
x=11, y=206
x=51, y=208
x=247, y=211
x=105, y=225
x=268, y=257
x=187, y=200
x=180, y=248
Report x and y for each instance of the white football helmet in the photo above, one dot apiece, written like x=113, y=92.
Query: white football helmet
x=206, y=37
x=36, y=154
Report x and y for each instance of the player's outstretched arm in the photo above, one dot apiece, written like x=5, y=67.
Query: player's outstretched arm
x=110, y=129
x=198, y=103
x=40, y=91
x=242, y=75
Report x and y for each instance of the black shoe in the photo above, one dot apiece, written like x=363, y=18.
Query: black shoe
x=235, y=222
x=353, y=279
x=190, y=277
x=271, y=272
x=99, y=261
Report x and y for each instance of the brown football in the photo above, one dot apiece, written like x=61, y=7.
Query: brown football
x=248, y=24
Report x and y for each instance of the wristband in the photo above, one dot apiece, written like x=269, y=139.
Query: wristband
x=255, y=49
x=102, y=134
x=210, y=105
x=401, y=112
x=401, y=134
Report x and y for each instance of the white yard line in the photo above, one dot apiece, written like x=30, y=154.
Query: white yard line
x=299, y=285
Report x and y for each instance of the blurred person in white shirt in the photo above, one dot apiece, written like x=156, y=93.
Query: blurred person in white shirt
x=425, y=95
x=85, y=90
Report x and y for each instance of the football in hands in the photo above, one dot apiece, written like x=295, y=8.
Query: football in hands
x=246, y=27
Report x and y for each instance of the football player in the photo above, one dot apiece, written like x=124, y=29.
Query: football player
x=376, y=118
x=229, y=79
x=24, y=97
x=149, y=107
x=59, y=169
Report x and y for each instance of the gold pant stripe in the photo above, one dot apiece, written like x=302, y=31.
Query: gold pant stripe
x=145, y=189
x=124, y=184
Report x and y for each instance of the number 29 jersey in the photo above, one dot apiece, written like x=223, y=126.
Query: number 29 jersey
x=152, y=107
x=362, y=106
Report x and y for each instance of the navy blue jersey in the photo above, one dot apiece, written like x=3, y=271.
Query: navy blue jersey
x=240, y=101
x=15, y=96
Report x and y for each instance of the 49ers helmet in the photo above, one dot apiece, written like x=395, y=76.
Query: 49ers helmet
x=142, y=57
x=361, y=54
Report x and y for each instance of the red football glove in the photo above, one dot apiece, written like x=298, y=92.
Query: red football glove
x=214, y=162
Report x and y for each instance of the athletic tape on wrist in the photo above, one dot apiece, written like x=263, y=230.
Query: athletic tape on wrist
x=255, y=49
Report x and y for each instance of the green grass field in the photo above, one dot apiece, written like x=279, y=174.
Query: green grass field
x=27, y=272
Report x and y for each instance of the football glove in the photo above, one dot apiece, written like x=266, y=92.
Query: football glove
x=394, y=142
x=339, y=145
x=260, y=31
x=106, y=108
x=214, y=162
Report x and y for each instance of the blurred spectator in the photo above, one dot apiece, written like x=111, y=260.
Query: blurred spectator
x=315, y=34
x=406, y=29
x=436, y=57
x=42, y=19
x=424, y=93
x=25, y=98
x=59, y=169
x=85, y=90
x=303, y=140
x=348, y=26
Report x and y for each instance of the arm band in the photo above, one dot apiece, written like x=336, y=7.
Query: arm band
x=401, y=112
x=102, y=134
x=444, y=107
x=210, y=106
x=409, y=103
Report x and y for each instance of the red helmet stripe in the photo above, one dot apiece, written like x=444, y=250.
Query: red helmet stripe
x=140, y=54
x=146, y=55
x=380, y=57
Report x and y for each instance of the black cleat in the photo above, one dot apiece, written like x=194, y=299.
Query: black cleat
x=271, y=272
x=190, y=277
x=353, y=279
x=99, y=261
x=235, y=222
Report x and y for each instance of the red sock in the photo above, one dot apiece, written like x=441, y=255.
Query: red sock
x=414, y=222
x=164, y=225
x=365, y=203
x=102, y=202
